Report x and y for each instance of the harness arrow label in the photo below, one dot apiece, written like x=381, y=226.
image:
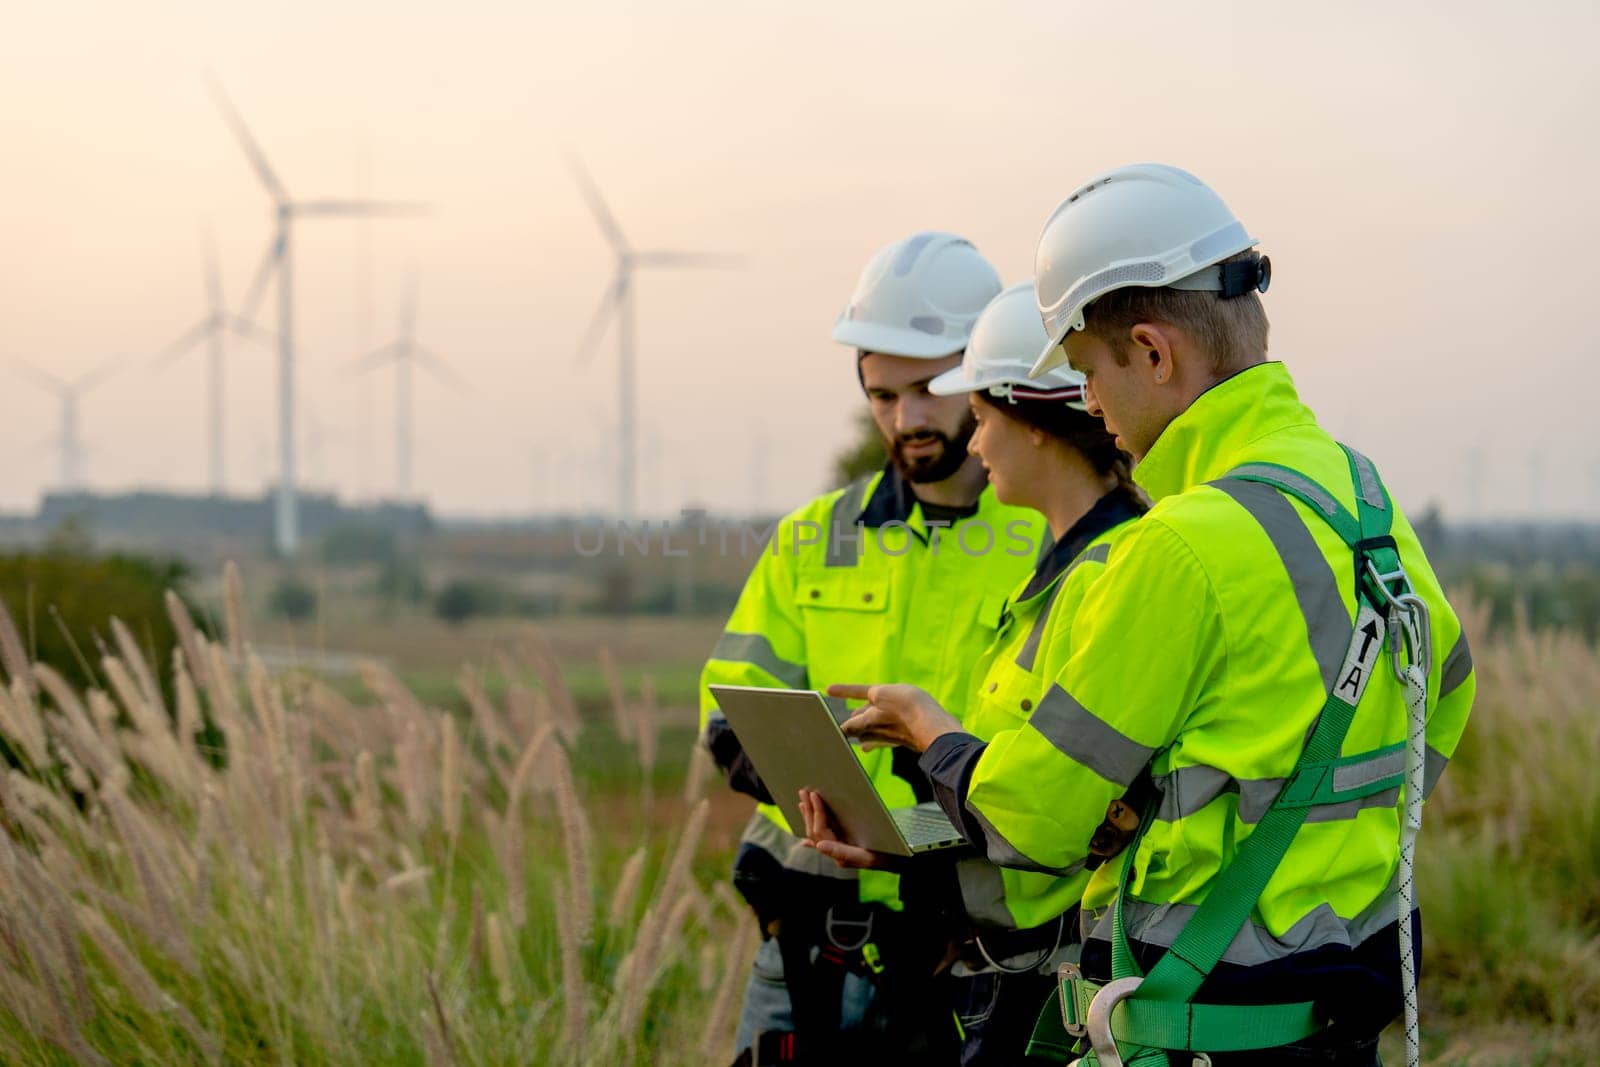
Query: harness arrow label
x=1366, y=643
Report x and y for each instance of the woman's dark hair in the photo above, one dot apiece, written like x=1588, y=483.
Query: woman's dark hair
x=1079, y=429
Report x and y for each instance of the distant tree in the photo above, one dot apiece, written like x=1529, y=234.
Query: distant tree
x=293, y=598
x=64, y=597
x=865, y=456
x=619, y=591
x=356, y=542
x=401, y=580
x=463, y=598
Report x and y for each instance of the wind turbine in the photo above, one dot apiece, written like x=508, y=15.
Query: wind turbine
x=69, y=393
x=278, y=262
x=218, y=323
x=617, y=302
x=403, y=352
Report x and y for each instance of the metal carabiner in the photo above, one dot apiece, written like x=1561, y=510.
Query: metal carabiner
x=1408, y=621
x=1099, y=1022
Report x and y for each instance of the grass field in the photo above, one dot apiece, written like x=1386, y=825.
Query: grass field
x=493, y=845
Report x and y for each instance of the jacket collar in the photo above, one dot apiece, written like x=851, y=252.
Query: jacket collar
x=1113, y=509
x=1215, y=433
x=893, y=500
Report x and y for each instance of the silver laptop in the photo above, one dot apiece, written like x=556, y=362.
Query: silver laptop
x=794, y=741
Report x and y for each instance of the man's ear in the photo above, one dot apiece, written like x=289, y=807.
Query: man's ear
x=1152, y=348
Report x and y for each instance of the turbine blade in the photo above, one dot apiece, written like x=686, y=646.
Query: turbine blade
x=40, y=377
x=597, y=205
x=184, y=342
x=695, y=260
x=250, y=331
x=597, y=325
x=408, y=307
x=213, y=273
x=241, y=133
x=389, y=353
x=105, y=370
x=430, y=361
x=258, y=285
x=358, y=208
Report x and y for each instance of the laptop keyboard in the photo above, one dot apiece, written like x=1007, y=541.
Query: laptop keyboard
x=924, y=825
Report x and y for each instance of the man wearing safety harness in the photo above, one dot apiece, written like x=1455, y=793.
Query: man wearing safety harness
x=1269, y=644
x=904, y=572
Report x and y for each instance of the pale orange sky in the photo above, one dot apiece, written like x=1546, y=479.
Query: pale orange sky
x=1423, y=177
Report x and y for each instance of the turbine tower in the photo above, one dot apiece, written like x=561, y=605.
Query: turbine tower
x=278, y=263
x=69, y=393
x=617, y=302
x=217, y=324
x=403, y=352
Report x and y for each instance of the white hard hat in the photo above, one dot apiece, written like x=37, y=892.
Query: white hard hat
x=1145, y=224
x=918, y=297
x=1005, y=342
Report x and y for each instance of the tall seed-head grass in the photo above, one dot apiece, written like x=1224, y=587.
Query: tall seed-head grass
x=13, y=654
x=233, y=611
x=575, y=839
x=450, y=777
x=647, y=720
x=305, y=932
x=621, y=711
x=19, y=723
x=500, y=962
x=133, y=656
x=627, y=890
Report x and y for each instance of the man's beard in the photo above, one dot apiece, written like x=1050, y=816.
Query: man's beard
x=933, y=466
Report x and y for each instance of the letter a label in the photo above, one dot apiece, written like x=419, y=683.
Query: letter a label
x=1365, y=647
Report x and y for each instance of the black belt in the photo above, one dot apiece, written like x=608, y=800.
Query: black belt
x=1003, y=944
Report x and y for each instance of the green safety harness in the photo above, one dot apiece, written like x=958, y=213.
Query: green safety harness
x=1135, y=1018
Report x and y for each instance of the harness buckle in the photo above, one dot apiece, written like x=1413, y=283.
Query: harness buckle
x=1068, y=974
x=832, y=923
x=1099, y=1024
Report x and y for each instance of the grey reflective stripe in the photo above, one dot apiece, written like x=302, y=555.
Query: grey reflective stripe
x=1093, y=554
x=1383, y=911
x=1001, y=851
x=1253, y=945
x=1367, y=771
x=845, y=512
x=1367, y=475
x=983, y=893
x=757, y=651
x=1187, y=790
x=1349, y=809
x=1087, y=739
x=1030, y=647
x=1299, y=482
x=1433, y=765
x=1457, y=667
x=1328, y=623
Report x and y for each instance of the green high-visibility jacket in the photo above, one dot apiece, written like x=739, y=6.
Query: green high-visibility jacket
x=1206, y=650
x=855, y=587
x=1017, y=669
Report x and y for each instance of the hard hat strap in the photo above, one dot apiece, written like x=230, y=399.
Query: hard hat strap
x=1252, y=273
x=1010, y=391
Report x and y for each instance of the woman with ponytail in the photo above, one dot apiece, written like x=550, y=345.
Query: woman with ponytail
x=1042, y=450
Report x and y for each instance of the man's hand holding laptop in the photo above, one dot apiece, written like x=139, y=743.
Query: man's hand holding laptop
x=893, y=715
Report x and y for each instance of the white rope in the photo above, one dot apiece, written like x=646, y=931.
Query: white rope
x=1061, y=926
x=1416, y=682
